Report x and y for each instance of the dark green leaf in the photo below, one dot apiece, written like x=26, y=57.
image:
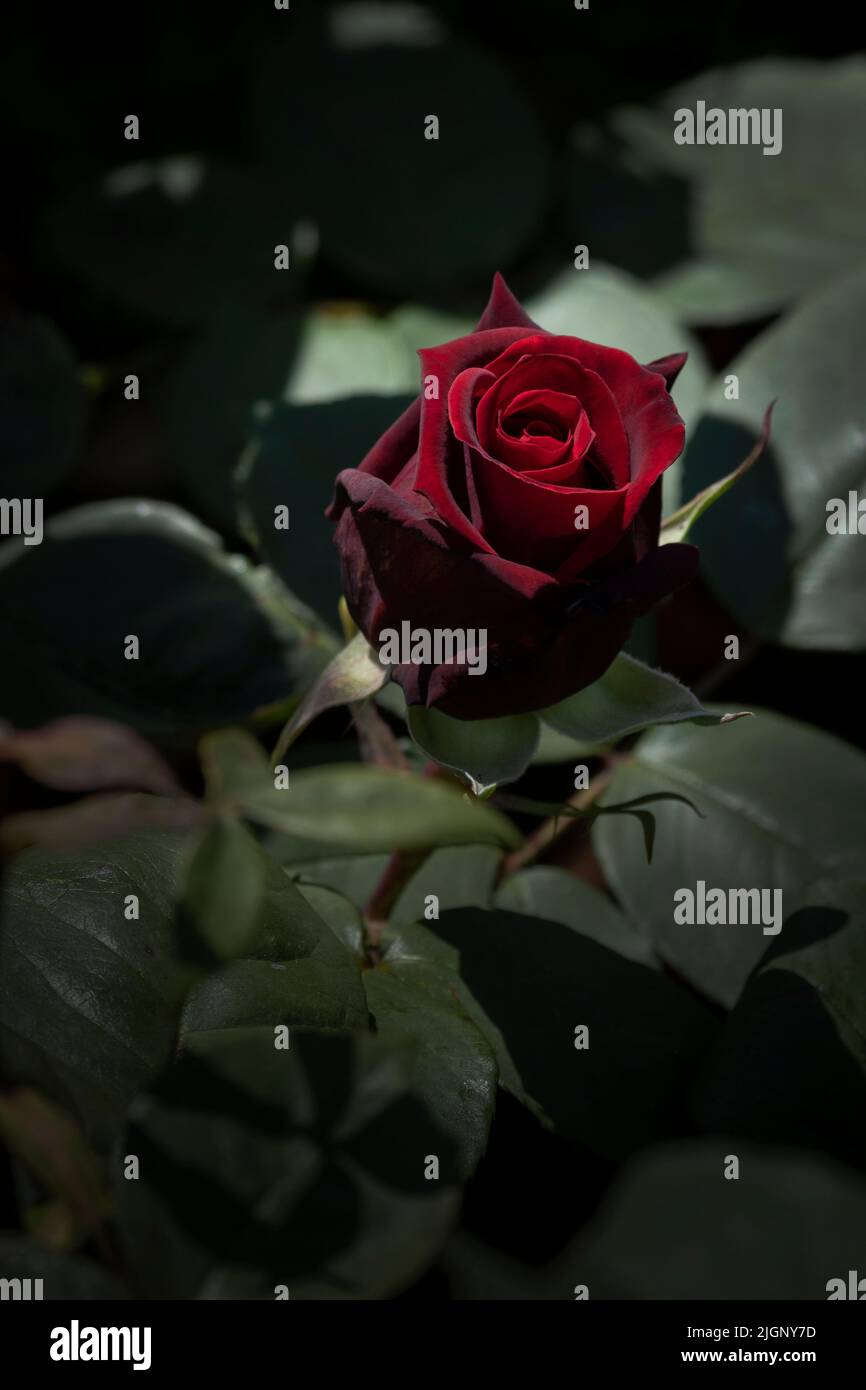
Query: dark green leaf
x=628, y=697
x=783, y=804
x=414, y=991
x=318, y=126
x=302, y=1167
x=530, y=984
x=487, y=751
x=86, y=1009
x=365, y=808
x=214, y=643
x=675, y=1228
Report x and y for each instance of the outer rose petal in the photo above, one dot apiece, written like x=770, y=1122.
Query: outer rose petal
x=504, y=311
x=441, y=473
x=545, y=641
x=668, y=367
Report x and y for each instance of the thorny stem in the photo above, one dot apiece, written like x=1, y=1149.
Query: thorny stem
x=550, y=830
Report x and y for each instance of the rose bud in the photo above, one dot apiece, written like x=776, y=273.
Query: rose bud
x=519, y=497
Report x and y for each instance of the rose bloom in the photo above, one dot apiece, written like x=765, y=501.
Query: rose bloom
x=521, y=495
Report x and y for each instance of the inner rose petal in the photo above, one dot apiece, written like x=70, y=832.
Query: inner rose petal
x=546, y=460
x=537, y=414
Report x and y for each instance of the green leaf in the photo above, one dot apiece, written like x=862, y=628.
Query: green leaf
x=556, y=747
x=42, y=406
x=364, y=808
x=224, y=890
x=529, y=984
x=86, y=1007
x=304, y=1167
x=486, y=751
x=178, y=239
x=462, y=876
x=628, y=697
x=294, y=971
x=676, y=527
x=809, y=991
x=353, y=674
x=339, y=913
x=318, y=127
x=412, y=992
x=53, y=1149
x=216, y=643
x=675, y=1229
x=296, y=452
x=783, y=804
x=787, y=579
x=558, y=896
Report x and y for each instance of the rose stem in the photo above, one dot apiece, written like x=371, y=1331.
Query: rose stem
x=550, y=830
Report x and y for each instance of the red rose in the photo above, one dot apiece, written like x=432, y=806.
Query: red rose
x=519, y=497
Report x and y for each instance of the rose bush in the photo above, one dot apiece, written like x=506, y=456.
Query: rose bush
x=521, y=495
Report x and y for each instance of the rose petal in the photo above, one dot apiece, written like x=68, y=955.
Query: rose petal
x=441, y=475
x=503, y=310
x=669, y=367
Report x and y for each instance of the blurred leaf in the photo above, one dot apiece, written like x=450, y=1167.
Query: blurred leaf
x=235, y=368
x=82, y=754
x=317, y=124
x=784, y=804
x=66, y=1278
x=353, y=674
x=54, y=1150
x=180, y=238
x=486, y=751
x=628, y=697
x=42, y=406
x=301, y=1167
x=559, y=896
x=766, y=229
x=413, y=992
x=361, y=807
x=214, y=644
x=224, y=890
x=529, y=984
x=95, y=818
x=85, y=991
x=765, y=549
x=674, y=1228
x=347, y=352
x=295, y=456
